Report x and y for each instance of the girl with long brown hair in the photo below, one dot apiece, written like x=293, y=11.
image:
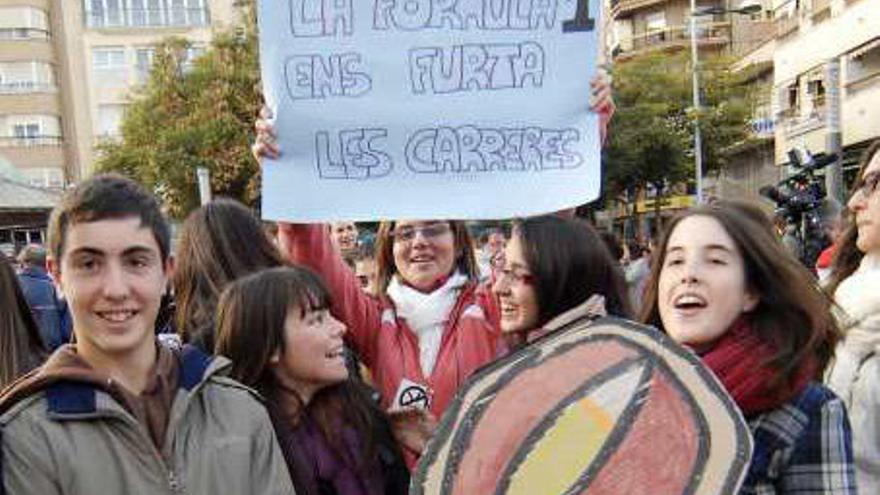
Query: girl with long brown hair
x=276, y=328
x=556, y=271
x=722, y=285
x=21, y=347
x=219, y=243
x=855, y=286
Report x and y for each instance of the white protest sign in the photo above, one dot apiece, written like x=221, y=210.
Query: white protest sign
x=429, y=109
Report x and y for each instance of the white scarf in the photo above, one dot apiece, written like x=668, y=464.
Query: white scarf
x=859, y=297
x=427, y=314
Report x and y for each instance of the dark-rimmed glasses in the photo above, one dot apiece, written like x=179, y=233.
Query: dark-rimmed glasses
x=867, y=184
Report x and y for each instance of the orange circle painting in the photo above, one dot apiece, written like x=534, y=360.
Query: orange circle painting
x=596, y=409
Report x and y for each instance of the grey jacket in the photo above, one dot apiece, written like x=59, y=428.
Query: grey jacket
x=70, y=437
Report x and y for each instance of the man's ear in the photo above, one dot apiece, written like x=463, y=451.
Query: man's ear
x=54, y=269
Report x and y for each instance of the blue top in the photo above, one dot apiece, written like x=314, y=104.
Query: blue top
x=48, y=310
x=802, y=447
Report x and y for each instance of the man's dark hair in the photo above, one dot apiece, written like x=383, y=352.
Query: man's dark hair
x=102, y=197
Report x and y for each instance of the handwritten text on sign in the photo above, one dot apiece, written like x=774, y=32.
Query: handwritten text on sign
x=428, y=108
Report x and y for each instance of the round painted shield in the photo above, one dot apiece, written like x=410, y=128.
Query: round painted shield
x=595, y=408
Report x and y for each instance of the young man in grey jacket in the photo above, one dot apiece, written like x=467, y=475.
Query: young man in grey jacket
x=118, y=412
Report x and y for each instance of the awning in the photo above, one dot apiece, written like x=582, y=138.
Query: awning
x=864, y=48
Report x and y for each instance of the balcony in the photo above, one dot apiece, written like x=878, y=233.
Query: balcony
x=675, y=37
x=26, y=87
x=625, y=7
x=147, y=18
x=786, y=25
x=30, y=142
x=23, y=34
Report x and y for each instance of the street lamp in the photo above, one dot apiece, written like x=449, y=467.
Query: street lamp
x=698, y=140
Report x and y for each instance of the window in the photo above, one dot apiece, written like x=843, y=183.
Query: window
x=816, y=90
x=110, y=119
x=108, y=67
x=145, y=13
x=108, y=58
x=655, y=21
x=788, y=97
x=113, y=13
x=155, y=12
x=26, y=77
x=26, y=131
x=793, y=94
x=863, y=62
x=192, y=53
x=23, y=23
x=143, y=63
x=31, y=129
x=47, y=177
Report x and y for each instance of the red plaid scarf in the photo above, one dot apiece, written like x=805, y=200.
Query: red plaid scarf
x=740, y=361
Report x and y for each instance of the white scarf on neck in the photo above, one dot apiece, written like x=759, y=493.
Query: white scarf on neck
x=426, y=314
x=859, y=297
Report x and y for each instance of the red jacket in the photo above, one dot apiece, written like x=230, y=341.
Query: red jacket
x=385, y=342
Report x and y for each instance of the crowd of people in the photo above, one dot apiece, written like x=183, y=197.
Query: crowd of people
x=295, y=358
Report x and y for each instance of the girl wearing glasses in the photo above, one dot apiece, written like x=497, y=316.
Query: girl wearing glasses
x=722, y=285
x=556, y=270
x=855, y=285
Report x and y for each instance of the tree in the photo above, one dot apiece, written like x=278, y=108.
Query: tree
x=190, y=114
x=651, y=135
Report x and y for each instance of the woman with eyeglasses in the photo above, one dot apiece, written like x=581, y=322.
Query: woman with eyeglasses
x=556, y=271
x=855, y=286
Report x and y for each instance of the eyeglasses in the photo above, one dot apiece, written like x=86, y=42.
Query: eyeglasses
x=868, y=184
x=516, y=276
x=431, y=231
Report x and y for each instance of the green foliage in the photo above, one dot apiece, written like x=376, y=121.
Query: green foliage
x=193, y=114
x=650, y=140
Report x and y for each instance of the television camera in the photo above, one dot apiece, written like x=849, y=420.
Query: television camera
x=799, y=199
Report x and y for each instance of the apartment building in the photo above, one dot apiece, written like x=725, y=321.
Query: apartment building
x=69, y=68
x=751, y=164
x=637, y=27
x=31, y=138
x=642, y=26
x=810, y=35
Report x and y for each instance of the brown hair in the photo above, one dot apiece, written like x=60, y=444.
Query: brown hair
x=847, y=256
x=792, y=314
x=107, y=196
x=465, y=260
x=219, y=242
x=250, y=330
x=570, y=262
x=21, y=347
